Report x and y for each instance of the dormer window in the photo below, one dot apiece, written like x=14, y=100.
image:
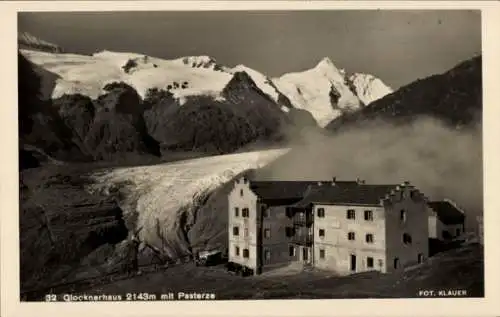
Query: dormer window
x=241, y=192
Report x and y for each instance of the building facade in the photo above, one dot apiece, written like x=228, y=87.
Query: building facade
x=346, y=227
x=446, y=220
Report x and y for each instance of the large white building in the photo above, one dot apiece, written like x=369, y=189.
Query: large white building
x=346, y=227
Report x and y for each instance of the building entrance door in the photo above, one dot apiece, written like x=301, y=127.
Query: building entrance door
x=353, y=263
x=306, y=255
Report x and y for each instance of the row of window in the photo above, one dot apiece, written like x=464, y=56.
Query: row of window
x=351, y=214
x=245, y=212
x=246, y=253
x=350, y=236
x=236, y=232
x=290, y=232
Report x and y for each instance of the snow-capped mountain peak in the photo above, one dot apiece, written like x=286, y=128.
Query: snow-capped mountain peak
x=29, y=41
x=368, y=87
x=324, y=90
x=321, y=90
x=202, y=61
x=263, y=82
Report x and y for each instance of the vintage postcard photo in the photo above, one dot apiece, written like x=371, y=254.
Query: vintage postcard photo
x=219, y=155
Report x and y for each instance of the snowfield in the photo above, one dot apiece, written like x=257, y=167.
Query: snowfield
x=87, y=75
x=369, y=88
x=311, y=90
x=188, y=76
x=160, y=194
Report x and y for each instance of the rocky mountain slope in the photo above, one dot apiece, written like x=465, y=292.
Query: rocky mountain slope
x=28, y=41
x=454, y=97
x=190, y=91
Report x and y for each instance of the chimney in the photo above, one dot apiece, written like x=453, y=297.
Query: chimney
x=334, y=179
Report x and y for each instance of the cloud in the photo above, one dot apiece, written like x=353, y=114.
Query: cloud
x=441, y=161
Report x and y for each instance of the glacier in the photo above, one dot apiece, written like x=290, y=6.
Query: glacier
x=159, y=194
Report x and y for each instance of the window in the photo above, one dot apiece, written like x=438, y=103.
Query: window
x=420, y=258
x=246, y=232
x=458, y=232
x=406, y=238
x=402, y=215
x=267, y=255
x=368, y=215
x=267, y=233
x=302, y=216
x=351, y=214
x=369, y=238
x=245, y=213
x=237, y=251
x=321, y=212
x=289, y=231
x=289, y=212
x=236, y=231
x=291, y=250
x=369, y=262
x=321, y=253
x=396, y=263
x=351, y=236
x=236, y=211
x=246, y=253
x=241, y=192
x=245, y=180
x=322, y=233
x=380, y=263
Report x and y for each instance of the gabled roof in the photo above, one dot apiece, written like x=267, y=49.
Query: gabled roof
x=447, y=212
x=269, y=191
x=346, y=195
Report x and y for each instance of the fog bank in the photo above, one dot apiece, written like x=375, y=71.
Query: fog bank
x=441, y=161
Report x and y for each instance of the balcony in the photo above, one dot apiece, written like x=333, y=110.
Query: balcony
x=302, y=239
x=303, y=219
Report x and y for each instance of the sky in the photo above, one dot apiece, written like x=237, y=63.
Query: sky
x=396, y=46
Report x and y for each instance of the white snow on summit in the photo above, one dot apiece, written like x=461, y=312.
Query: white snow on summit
x=26, y=40
x=310, y=90
x=88, y=75
x=324, y=91
x=368, y=87
x=260, y=80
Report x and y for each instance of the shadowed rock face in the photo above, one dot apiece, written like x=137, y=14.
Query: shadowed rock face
x=61, y=224
x=28, y=41
x=39, y=123
x=454, y=97
x=119, y=126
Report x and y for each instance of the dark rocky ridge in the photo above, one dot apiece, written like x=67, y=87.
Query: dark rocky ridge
x=119, y=124
x=454, y=97
x=61, y=224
